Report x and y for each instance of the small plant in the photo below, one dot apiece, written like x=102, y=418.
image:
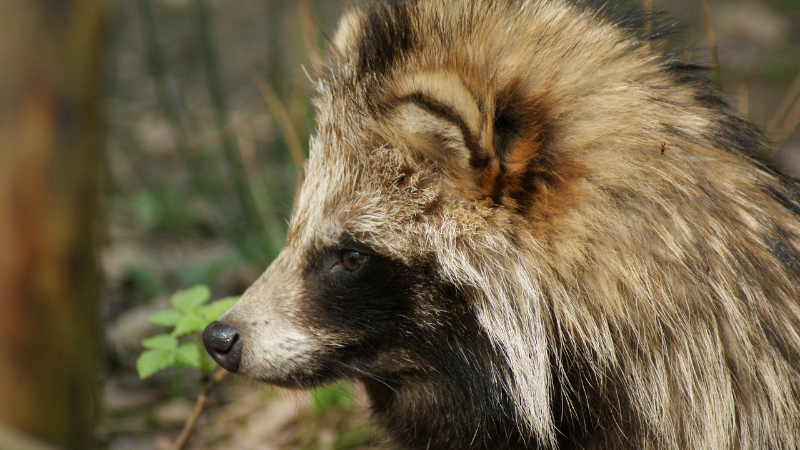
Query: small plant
x=189, y=315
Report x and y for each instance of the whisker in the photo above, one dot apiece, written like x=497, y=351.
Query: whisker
x=377, y=378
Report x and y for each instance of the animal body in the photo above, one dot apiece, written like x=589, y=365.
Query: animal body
x=523, y=226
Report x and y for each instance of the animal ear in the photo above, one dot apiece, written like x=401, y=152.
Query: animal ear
x=489, y=142
x=437, y=116
x=346, y=36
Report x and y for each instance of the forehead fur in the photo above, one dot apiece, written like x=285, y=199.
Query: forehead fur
x=362, y=196
x=382, y=40
x=447, y=88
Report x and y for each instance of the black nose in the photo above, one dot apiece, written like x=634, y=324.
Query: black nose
x=224, y=344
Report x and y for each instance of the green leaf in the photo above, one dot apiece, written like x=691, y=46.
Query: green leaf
x=189, y=324
x=151, y=361
x=168, y=318
x=215, y=309
x=191, y=298
x=191, y=354
x=161, y=342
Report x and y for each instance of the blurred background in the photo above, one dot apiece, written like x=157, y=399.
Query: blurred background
x=207, y=121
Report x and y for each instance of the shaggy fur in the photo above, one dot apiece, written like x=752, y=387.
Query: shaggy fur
x=537, y=272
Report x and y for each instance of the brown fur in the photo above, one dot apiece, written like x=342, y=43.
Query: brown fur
x=591, y=290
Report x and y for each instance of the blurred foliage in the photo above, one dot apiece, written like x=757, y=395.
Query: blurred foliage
x=162, y=209
x=195, y=272
x=327, y=398
x=145, y=279
x=187, y=142
x=790, y=5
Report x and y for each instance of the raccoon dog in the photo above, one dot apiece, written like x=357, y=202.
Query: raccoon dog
x=524, y=227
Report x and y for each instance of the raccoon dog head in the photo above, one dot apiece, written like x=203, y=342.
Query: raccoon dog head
x=406, y=257
x=440, y=166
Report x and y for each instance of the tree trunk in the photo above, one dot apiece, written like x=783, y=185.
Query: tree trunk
x=50, y=170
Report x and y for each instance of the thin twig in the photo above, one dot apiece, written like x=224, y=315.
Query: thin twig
x=215, y=379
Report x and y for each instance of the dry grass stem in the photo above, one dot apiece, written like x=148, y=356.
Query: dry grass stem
x=743, y=100
x=258, y=186
x=790, y=99
x=712, y=42
x=789, y=125
x=283, y=120
x=310, y=32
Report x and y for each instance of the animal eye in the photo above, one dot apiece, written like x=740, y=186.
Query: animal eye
x=352, y=259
